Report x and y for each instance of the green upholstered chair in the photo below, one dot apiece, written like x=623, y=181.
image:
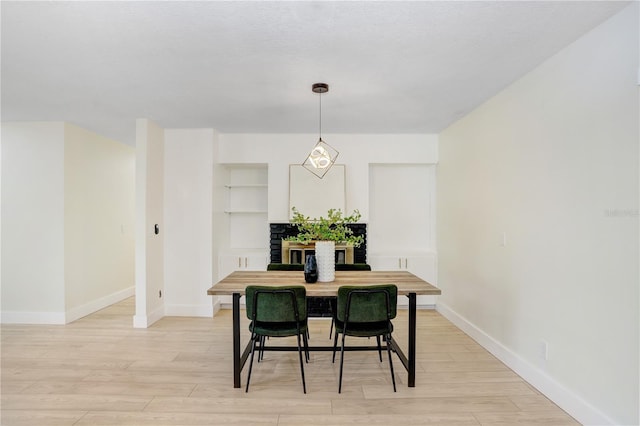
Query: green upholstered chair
x=365, y=311
x=331, y=300
x=277, y=312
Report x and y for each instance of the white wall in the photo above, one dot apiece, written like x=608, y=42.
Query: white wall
x=33, y=223
x=99, y=194
x=552, y=164
x=220, y=220
x=67, y=207
x=194, y=197
x=188, y=201
x=149, y=212
x=356, y=152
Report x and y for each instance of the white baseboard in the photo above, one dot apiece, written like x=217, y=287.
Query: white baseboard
x=563, y=397
x=95, y=305
x=140, y=321
x=144, y=321
x=418, y=307
x=216, y=306
x=230, y=306
x=58, y=318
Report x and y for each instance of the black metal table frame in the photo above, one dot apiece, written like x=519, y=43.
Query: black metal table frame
x=409, y=362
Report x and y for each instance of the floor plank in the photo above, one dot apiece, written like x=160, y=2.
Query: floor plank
x=99, y=370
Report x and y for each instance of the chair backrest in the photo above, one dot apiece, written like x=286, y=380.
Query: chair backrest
x=276, y=304
x=367, y=303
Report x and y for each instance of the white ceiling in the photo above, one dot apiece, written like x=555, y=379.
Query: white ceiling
x=392, y=67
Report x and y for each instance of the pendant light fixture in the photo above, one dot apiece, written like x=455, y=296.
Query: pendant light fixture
x=323, y=155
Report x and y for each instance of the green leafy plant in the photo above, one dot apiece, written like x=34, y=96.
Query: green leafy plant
x=331, y=228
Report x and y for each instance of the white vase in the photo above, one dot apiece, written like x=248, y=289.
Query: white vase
x=325, y=257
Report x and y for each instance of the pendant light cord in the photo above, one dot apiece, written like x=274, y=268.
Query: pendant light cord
x=320, y=121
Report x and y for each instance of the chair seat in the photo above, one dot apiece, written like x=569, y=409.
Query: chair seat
x=278, y=329
x=367, y=329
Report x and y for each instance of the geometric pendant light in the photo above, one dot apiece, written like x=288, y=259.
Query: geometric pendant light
x=323, y=155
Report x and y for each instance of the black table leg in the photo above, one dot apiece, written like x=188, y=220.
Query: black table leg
x=237, y=364
x=412, y=340
x=409, y=361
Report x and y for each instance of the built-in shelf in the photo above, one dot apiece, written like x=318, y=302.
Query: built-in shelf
x=247, y=191
x=246, y=213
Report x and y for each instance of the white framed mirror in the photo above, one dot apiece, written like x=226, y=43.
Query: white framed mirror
x=312, y=196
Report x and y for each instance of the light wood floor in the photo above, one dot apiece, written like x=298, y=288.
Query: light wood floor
x=101, y=371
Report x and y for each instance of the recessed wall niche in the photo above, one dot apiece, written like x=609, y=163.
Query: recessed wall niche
x=313, y=196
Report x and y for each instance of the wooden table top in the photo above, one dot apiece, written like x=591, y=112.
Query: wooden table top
x=236, y=282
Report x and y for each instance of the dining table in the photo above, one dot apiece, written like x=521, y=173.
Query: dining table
x=408, y=285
